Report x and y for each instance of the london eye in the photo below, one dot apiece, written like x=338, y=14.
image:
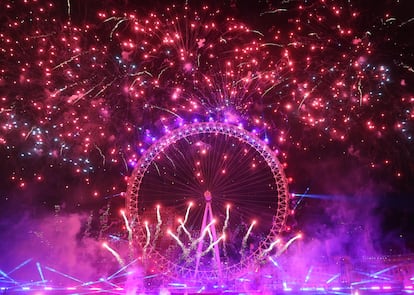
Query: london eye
x=206, y=201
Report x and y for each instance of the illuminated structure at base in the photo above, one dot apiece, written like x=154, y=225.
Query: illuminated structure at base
x=371, y=275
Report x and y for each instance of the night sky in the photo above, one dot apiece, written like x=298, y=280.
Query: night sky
x=87, y=86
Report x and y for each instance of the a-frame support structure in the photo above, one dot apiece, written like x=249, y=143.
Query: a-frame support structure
x=208, y=220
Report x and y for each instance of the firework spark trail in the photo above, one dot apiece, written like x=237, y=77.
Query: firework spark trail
x=63, y=63
x=271, y=246
x=114, y=253
x=406, y=22
x=246, y=236
x=85, y=95
x=168, y=111
x=69, y=9
x=210, y=234
x=138, y=77
x=179, y=242
x=225, y=226
x=161, y=72
x=182, y=226
x=125, y=162
x=159, y=223
x=213, y=244
x=119, y=22
x=30, y=132
x=226, y=221
x=129, y=229
x=203, y=234
x=104, y=88
x=182, y=223
x=148, y=235
x=305, y=96
x=157, y=168
x=104, y=220
x=187, y=212
x=274, y=11
x=101, y=154
x=360, y=92
x=407, y=67
x=171, y=161
x=286, y=246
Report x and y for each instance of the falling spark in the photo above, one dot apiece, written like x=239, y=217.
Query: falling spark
x=271, y=246
x=30, y=132
x=168, y=111
x=226, y=221
x=360, y=92
x=187, y=212
x=273, y=11
x=113, y=252
x=129, y=229
x=159, y=223
x=286, y=246
x=203, y=234
x=182, y=223
x=406, y=22
x=148, y=236
x=179, y=242
x=182, y=226
x=102, y=155
x=226, y=224
x=68, y=3
x=210, y=234
x=156, y=167
x=68, y=61
x=211, y=246
x=124, y=161
x=246, y=236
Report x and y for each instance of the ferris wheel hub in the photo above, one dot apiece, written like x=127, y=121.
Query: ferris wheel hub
x=207, y=196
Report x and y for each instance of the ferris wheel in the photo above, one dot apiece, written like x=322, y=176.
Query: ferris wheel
x=206, y=201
